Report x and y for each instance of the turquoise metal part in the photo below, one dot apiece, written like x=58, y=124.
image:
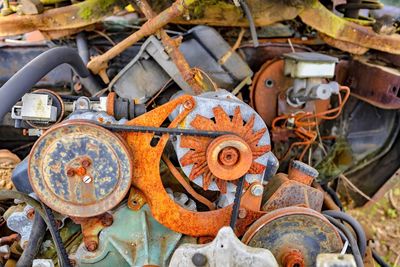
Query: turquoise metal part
x=134, y=239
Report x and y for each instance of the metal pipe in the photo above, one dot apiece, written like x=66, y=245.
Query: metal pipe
x=28, y=76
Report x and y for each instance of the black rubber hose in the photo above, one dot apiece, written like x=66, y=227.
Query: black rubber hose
x=252, y=25
x=83, y=48
x=379, y=260
x=35, y=241
x=333, y=195
x=350, y=238
x=22, y=81
x=361, y=237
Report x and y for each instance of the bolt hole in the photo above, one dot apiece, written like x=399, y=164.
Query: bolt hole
x=154, y=141
x=269, y=83
x=296, y=265
x=134, y=202
x=222, y=246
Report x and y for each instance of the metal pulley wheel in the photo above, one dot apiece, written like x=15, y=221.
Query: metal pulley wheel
x=80, y=169
x=295, y=236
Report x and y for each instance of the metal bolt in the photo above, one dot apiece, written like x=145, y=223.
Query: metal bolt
x=199, y=259
x=70, y=172
x=87, y=179
x=242, y=213
x=257, y=190
x=188, y=104
x=91, y=245
x=86, y=163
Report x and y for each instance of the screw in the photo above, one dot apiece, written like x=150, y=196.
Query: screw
x=91, y=245
x=188, y=104
x=257, y=190
x=87, y=179
x=199, y=259
x=86, y=163
x=70, y=172
x=242, y=213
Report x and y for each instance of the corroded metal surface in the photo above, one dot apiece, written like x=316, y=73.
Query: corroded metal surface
x=282, y=192
x=98, y=64
x=267, y=94
x=208, y=156
x=91, y=228
x=294, y=234
x=375, y=84
x=323, y=20
x=146, y=177
x=80, y=169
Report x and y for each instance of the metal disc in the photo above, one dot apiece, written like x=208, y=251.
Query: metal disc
x=292, y=230
x=80, y=169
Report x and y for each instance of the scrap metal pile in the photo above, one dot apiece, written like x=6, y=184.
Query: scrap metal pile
x=142, y=137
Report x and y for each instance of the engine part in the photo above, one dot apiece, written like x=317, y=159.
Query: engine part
x=331, y=260
x=376, y=84
x=134, y=239
x=152, y=68
x=22, y=223
x=40, y=109
x=146, y=176
x=268, y=93
x=293, y=189
x=182, y=199
x=80, y=169
x=214, y=164
x=294, y=235
x=225, y=250
x=29, y=75
x=307, y=69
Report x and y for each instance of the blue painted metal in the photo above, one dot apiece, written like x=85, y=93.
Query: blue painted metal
x=60, y=179
x=134, y=239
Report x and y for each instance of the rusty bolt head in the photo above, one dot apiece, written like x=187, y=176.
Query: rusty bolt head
x=91, y=245
x=293, y=258
x=229, y=156
x=70, y=172
x=86, y=179
x=107, y=220
x=257, y=190
x=188, y=104
x=86, y=163
x=30, y=214
x=242, y=213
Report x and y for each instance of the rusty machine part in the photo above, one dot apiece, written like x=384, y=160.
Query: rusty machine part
x=376, y=84
x=295, y=235
x=293, y=189
x=80, y=169
x=146, y=177
x=267, y=93
x=228, y=157
x=217, y=164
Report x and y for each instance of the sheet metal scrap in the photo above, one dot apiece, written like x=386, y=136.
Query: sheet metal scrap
x=80, y=169
x=146, y=177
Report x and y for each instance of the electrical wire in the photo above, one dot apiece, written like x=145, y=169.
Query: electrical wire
x=350, y=238
x=252, y=25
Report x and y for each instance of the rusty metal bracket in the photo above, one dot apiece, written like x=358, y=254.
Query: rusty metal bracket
x=323, y=20
x=91, y=228
x=146, y=177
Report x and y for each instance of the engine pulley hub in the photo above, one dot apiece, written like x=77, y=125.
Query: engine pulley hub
x=80, y=169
